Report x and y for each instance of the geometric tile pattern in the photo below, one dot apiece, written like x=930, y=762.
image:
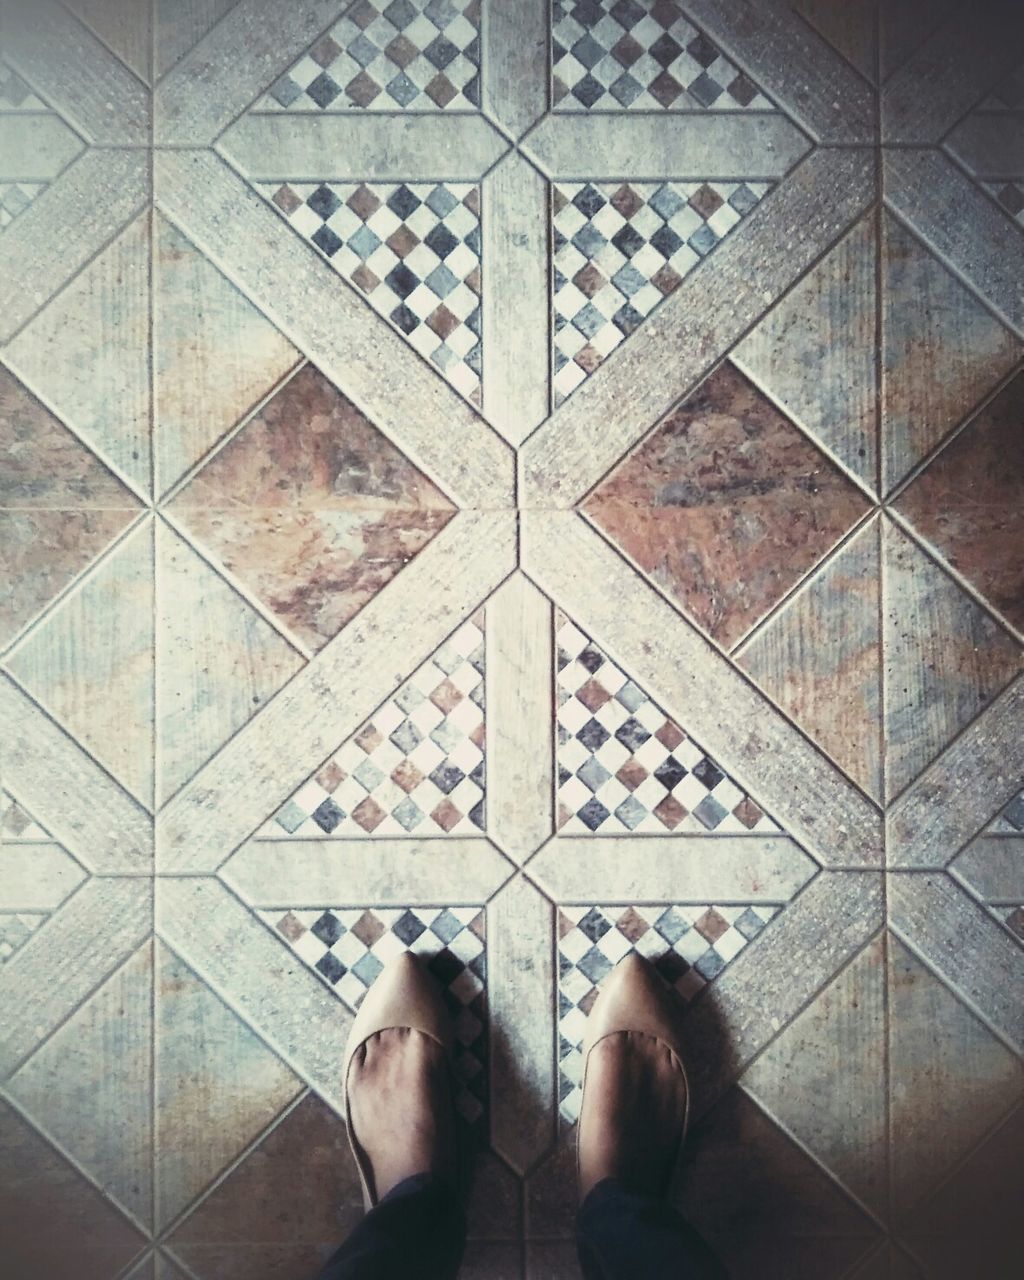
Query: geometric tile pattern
x=624, y=766
x=413, y=250
x=1010, y=820
x=416, y=767
x=389, y=55
x=689, y=944
x=348, y=947
x=16, y=825
x=16, y=927
x=644, y=55
x=15, y=198
x=620, y=249
x=15, y=94
x=1010, y=196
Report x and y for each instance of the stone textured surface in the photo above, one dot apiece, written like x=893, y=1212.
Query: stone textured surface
x=521, y=482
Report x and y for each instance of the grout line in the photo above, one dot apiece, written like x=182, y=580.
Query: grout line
x=159, y=79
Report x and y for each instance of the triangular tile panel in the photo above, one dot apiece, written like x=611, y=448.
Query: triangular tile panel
x=946, y=659
x=609, y=55
x=416, y=767
x=37, y=874
x=689, y=944
x=15, y=198
x=15, y=94
x=312, y=508
x=96, y=1067
x=38, y=144
x=820, y=659
x=619, y=249
x=16, y=927
x=179, y=27
x=726, y=504
x=1009, y=196
x=90, y=663
x=87, y=353
x=17, y=825
x=388, y=55
x=218, y=662
x=1010, y=819
x=412, y=250
x=624, y=766
x=126, y=27
x=348, y=947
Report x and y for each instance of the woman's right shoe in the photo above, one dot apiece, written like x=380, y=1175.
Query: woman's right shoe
x=635, y=999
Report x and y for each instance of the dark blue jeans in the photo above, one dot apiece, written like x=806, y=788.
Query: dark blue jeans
x=419, y=1229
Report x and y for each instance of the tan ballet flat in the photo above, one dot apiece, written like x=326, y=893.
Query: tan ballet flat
x=403, y=995
x=634, y=997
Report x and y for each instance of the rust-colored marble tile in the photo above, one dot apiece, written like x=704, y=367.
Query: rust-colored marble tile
x=726, y=505
x=941, y=352
x=42, y=552
x=763, y=1204
x=283, y=1210
x=945, y=658
x=44, y=465
x=53, y=1222
x=819, y=658
x=312, y=507
x=969, y=503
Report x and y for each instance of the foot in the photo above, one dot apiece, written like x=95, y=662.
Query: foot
x=401, y=1104
x=633, y=1112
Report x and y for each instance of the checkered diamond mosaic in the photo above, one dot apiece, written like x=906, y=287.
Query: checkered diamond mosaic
x=610, y=55
x=16, y=927
x=389, y=55
x=15, y=198
x=620, y=249
x=1009, y=196
x=417, y=767
x=16, y=823
x=413, y=251
x=348, y=947
x=625, y=766
x=689, y=945
x=1010, y=820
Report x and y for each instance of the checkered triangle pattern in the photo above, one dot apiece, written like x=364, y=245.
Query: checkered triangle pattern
x=620, y=249
x=1009, y=196
x=690, y=945
x=16, y=823
x=389, y=55
x=610, y=55
x=416, y=767
x=16, y=927
x=625, y=766
x=1013, y=917
x=15, y=198
x=413, y=251
x=1010, y=819
x=15, y=94
x=348, y=947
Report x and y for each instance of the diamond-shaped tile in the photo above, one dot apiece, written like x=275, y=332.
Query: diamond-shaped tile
x=388, y=55
x=969, y=503
x=608, y=55
x=726, y=505
x=628, y=767
x=690, y=945
x=312, y=508
x=348, y=947
x=416, y=767
x=413, y=251
x=619, y=250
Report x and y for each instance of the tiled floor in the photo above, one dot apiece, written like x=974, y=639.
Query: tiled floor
x=523, y=481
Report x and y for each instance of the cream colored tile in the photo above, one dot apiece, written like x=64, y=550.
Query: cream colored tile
x=180, y=27
x=125, y=26
x=36, y=877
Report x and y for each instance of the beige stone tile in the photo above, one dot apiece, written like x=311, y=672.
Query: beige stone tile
x=950, y=1081
x=89, y=1087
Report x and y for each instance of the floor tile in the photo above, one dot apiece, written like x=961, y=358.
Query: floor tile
x=690, y=945
x=54, y=1221
x=417, y=55
x=348, y=947
x=35, y=146
x=178, y=28
x=849, y=28
x=215, y=356
x=609, y=56
x=312, y=508
x=283, y=1209
x=38, y=874
x=86, y=353
x=951, y=1080
x=492, y=1260
x=945, y=658
x=619, y=249
x=969, y=503
x=819, y=658
x=624, y=765
x=824, y=1078
x=762, y=1203
x=413, y=251
x=942, y=351
x=726, y=505
x=218, y=661
x=218, y=1086
x=89, y=1086
x=814, y=353
x=417, y=767
x=122, y=25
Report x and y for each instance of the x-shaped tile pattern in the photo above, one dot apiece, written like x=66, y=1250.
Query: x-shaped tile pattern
x=774, y=926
